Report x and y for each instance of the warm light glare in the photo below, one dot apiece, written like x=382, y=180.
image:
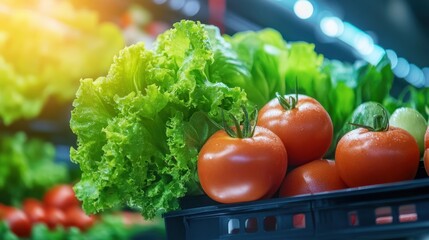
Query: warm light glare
x=332, y=26
x=159, y=1
x=303, y=9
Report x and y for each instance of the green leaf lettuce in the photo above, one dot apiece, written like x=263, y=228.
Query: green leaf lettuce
x=27, y=168
x=140, y=127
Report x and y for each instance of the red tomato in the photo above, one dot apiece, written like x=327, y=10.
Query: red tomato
x=366, y=157
x=55, y=217
x=306, y=129
x=61, y=196
x=76, y=217
x=34, y=210
x=242, y=169
x=17, y=221
x=316, y=176
x=426, y=160
x=426, y=152
x=427, y=138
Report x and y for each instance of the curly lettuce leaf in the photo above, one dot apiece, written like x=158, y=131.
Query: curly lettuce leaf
x=133, y=125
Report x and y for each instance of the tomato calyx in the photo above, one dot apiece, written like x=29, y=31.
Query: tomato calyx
x=381, y=122
x=290, y=103
x=244, y=130
x=287, y=104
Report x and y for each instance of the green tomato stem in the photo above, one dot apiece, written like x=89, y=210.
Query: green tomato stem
x=244, y=130
x=289, y=104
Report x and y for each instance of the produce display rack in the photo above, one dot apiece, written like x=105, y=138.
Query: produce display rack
x=384, y=211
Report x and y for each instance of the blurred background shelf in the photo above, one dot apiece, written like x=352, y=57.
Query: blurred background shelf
x=347, y=30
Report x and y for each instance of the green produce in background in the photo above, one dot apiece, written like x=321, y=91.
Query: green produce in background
x=44, y=51
x=275, y=65
x=412, y=121
x=412, y=97
x=359, y=83
x=264, y=56
x=27, y=168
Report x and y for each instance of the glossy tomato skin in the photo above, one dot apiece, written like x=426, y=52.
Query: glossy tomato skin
x=306, y=130
x=242, y=169
x=76, y=217
x=34, y=210
x=366, y=158
x=317, y=176
x=426, y=160
x=61, y=196
x=426, y=152
x=427, y=138
x=17, y=221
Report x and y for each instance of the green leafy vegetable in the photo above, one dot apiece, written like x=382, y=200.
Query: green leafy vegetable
x=20, y=96
x=304, y=65
x=44, y=51
x=374, y=82
x=6, y=233
x=274, y=65
x=264, y=55
x=27, y=168
x=417, y=98
x=136, y=126
x=351, y=85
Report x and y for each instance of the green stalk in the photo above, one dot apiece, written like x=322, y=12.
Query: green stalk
x=289, y=104
x=244, y=130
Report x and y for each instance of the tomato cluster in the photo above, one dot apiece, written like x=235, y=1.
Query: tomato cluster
x=291, y=130
x=59, y=208
x=285, y=155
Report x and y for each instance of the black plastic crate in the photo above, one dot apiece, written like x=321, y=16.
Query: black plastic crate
x=275, y=218
x=386, y=211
